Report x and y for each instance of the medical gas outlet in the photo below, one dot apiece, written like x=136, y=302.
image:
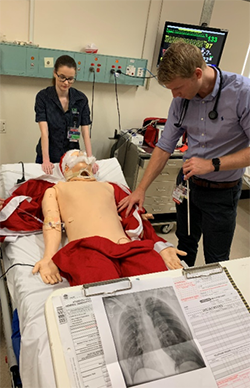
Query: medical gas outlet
x=33, y=61
x=130, y=70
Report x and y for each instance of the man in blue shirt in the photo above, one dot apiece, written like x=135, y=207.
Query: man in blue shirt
x=213, y=107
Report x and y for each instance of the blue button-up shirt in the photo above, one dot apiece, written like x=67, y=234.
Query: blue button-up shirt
x=48, y=108
x=208, y=139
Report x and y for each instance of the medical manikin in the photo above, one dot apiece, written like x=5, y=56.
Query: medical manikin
x=102, y=244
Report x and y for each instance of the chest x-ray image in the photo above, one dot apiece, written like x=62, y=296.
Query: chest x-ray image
x=151, y=335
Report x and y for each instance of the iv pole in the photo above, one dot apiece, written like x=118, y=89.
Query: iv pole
x=206, y=12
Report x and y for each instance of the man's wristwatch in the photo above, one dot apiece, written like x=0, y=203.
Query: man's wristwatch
x=216, y=164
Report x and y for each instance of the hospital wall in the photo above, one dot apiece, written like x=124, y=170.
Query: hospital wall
x=121, y=28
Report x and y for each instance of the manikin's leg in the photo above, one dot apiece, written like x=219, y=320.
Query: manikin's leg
x=95, y=259
x=80, y=264
x=141, y=263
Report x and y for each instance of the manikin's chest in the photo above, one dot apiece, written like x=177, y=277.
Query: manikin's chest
x=84, y=195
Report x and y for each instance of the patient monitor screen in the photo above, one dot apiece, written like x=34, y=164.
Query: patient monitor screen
x=209, y=40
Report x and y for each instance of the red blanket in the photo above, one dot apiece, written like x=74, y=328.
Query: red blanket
x=95, y=259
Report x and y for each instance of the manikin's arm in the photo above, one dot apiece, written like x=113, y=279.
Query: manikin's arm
x=168, y=253
x=170, y=258
x=47, y=166
x=52, y=238
x=87, y=143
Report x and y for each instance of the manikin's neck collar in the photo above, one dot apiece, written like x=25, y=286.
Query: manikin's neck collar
x=82, y=179
x=83, y=174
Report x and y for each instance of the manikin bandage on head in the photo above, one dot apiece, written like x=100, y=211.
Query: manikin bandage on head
x=73, y=157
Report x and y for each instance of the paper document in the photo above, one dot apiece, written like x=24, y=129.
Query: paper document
x=81, y=341
x=135, y=338
x=221, y=324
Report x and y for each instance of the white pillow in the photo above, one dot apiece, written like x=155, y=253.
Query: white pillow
x=109, y=170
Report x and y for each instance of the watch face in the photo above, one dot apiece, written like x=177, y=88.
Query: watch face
x=216, y=164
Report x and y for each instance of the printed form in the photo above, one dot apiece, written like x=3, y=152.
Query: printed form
x=144, y=336
x=221, y=324
x=81, y=341
x=134, y=338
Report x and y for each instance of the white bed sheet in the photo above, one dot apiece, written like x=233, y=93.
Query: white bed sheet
x=28, y=291
x=246, y=176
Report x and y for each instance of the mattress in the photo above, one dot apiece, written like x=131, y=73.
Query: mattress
x=28, y=291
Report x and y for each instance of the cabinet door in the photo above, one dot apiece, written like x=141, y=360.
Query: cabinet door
x=158, y=198
x=161, y=188
x=169, y=172
x=159, y=205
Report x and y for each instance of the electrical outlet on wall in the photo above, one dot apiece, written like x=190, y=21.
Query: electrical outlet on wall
x=48, y=62
x=2, y=126
x=140, y=72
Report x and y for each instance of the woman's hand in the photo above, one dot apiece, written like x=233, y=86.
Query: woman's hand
x=95, y=168
x=47, y=167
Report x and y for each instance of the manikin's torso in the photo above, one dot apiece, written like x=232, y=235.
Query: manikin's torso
x=88, y=209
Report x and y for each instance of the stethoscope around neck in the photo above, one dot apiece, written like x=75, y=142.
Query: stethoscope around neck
x=213, y=114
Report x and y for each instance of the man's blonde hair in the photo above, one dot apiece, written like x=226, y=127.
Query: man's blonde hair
x=179, y=60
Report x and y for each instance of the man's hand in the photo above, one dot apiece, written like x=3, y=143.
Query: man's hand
x=47, y=167
x=170, y=257
x=48, y=270
x=138, y=196
x=197, y=166
x=1, y=203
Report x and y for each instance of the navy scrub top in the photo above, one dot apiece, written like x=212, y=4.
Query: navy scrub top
x=48, y=108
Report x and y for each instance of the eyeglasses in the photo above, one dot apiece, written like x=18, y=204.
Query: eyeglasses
x=62, y=78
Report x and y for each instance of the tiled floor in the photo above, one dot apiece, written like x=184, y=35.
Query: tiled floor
x=240, y=248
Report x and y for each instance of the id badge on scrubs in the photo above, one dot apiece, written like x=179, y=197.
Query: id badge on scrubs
x=179, y=193
x=73, y=135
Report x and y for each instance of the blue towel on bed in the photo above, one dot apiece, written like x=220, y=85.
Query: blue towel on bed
x=16, y=337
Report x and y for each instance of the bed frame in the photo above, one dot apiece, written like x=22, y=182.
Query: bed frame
x=30, y=293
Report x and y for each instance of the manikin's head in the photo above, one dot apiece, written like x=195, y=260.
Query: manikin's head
x=76, y=164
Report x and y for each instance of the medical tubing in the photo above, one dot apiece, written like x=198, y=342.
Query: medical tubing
x=92, y=104
x=13, y=265
x=117, y=103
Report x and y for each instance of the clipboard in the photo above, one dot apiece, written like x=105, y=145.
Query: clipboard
x=106, y=287
x=212, y=269
x=86, y=291
x=203, y=270
x=236, y=288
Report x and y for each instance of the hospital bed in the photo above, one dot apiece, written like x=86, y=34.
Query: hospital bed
x=27, y=292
